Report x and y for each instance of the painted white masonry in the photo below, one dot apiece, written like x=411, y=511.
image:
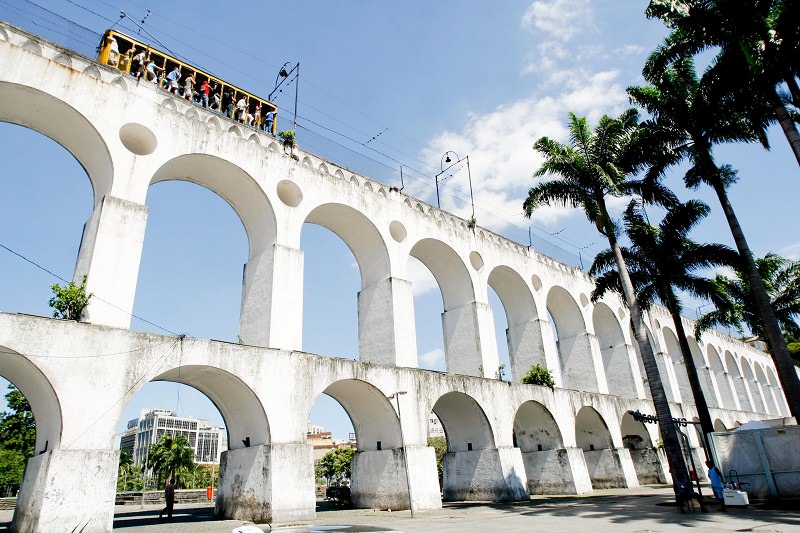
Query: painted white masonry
x=504, y=440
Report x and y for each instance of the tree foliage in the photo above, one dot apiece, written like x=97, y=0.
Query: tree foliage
x=17, y=440
x=439, y=445
x=171, y=455
x=539, y=375
x=69, y=301
x=335, y=466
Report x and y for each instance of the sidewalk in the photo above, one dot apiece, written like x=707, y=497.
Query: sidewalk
x=645, y=509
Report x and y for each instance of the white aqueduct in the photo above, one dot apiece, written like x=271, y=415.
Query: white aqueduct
x=505, y=440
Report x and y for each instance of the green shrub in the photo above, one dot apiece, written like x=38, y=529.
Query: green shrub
x=69, y=301
x=539, y=375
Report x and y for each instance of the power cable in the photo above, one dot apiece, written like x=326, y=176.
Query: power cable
x=37, y=265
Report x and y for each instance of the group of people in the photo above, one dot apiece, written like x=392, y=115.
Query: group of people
x=140, y=64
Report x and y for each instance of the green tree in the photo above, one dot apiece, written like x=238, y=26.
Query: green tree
x=755, y=43
x=662, y=260
x=781, y=278
x=687, y=121
x=171, y=455
x=439, y=445
x=335, y=466
x=594, y=167
x=17, y=440
x=539, y=375
x=69, y=301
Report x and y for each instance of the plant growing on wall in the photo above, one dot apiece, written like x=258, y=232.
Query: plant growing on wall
x=539, y=375
x=69, y=301
x=287, y=136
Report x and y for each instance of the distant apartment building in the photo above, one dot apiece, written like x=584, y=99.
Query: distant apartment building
x=435, y=428
x=208, y=442
x=322, y=441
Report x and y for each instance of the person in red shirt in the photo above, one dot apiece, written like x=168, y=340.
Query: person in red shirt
x=205, y=88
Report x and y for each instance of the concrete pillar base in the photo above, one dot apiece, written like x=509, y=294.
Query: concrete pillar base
x=489, y=474
x=647, y=465
x=379, y=479
x=253, y=487
x=610, y=468
x=559, y=471
x=68, y=490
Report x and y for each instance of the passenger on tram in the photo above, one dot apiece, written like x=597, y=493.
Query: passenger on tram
x=137, y=63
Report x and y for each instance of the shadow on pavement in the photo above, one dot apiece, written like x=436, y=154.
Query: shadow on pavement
x=147, y=517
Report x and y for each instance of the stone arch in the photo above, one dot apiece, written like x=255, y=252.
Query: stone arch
x=644, y=455
x=93, y=72
x=614, y=351
x=703, y=373
x=664, y=375
x=63, y=59
x=121, y=83
x=535, y=429
x=593, y=437
x=721, y=377
x=32, y=47
x=719, y=425
x=763, y=385
x=360, y=235
x=573, y=346
x=739, y=385
x=65, y=125
x=235, y=186
x=237, y=403
x=539, y=440
x=524, y=333
x=378, y=468
x=469, y=435
x=678, y=366
x=752, y=386
x=38, y=390
x=780, y=403
x=449, y=270
x=373, y=417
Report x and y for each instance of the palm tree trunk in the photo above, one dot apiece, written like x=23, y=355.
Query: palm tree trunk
x=691, y=371
x=780, y=354
x=669, y=433
x=787, y=124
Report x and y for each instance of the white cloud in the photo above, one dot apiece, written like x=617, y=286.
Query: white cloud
x=559, y=19
x=792, y=251
x=420, y=277
x=500, y=142
x=433, y=360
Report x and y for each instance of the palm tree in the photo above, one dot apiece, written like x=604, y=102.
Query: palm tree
x=781, y=278
x=687, y=121
x=589, y=170
x=755, y=43
x=662, y=260
x=171, y=454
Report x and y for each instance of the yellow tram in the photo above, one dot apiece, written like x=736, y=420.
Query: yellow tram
x=142, y=61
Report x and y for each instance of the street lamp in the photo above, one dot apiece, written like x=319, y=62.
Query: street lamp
x=282, y=76
x=396, y=396
x=447, y=159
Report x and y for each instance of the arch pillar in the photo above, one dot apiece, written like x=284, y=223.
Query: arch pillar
x=737, y=403
x=386, y=328
x=468, y=340
x=557, y=471
x=272, y=299
x=575, y=353
x=493, y=474
x=611, y=468
x=60, y=493
x=526, y=346
x=639, y=381
x=597, y=360
x=243, y=494
x=379, y=479
x=109, y=257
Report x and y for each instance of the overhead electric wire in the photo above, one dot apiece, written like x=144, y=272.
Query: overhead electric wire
x=37, y=265
x=425, y=176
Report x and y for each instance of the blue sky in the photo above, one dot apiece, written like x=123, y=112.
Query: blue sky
x=483, y=78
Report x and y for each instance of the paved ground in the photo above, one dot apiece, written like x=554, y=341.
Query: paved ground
x=642, y=510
